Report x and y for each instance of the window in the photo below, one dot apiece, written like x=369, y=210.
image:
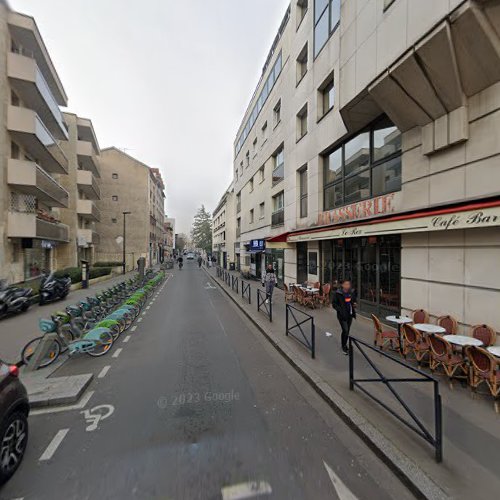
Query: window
x=278, y=215
x=114, y=198
x=326, y=21
x=238, y=227
x=114, y=221
x=251, y=216
x=254, y=147
x=277, y=113
x=247, y=157
x=251, y=184
x=14, y=99
x=264, y=133
x=238, y=203
x=279, y=166
x=261, y=173
x=366, y=165
x=326, y=96
x=241, y=168
x=303, y=191
x=302, y=64
x=114, y=176
x=301, y=11
x=302, y=122
x=262, y=210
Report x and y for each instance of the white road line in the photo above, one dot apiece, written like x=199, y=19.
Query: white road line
x=53, y=445
x=134, y=328
x=139, y=320
x=147, y=307
x=58, y=409
x=144, y=313
x=117, y=352
x=343, y=492
x=126, y=339
x=246, y=490
x=103, y=372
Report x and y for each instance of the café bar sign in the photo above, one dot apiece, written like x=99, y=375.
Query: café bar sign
x=487, y=217
x=374, y=207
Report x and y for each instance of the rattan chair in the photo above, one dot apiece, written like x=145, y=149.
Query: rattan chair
x=485, y=334
x=420, y=316
x=484, y=369
x=442, y=354
x=323, y=298
x=384, y=337
x=289, y=295
x=415, y=342
x=449, y=323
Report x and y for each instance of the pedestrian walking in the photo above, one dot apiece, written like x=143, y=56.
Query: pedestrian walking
x=269, y=281
x=200, y=260
x=344, y=302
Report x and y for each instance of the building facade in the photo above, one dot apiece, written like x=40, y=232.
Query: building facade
x=131, y=196
x=157, y=239
x=32, y=161
x=224, y=230
x=169, y=226
x=370, y=151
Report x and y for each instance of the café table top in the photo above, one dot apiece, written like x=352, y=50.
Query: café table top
x=429, y=328
x=312, y=290
x=462, y=340
x=495, y=350
x=401, y=320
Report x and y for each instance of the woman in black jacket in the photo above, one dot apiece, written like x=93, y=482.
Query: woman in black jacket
x=344, y=302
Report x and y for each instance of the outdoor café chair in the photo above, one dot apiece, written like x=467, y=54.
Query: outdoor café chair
x=442, y=354
x=420, y=316
x=415, y=342
x=485, y=334
x=306, y=299
x=449, y=323
x=384, y=337
x=289, y=295
x=484, y=369
x=323, y=298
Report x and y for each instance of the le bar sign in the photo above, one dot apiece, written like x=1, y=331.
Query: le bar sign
x=374, y=207
x=487, y=217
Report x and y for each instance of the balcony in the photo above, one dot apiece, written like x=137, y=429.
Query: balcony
x=88, y=210
x=87, y=237
x=28, y=225
x=278, y=218
x=87, y=183
x=27, y=80
x=26, y=127
x=86, y=132
x=87, y=157
x=29, y=178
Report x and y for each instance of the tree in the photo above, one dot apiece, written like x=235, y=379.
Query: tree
x=201, y=232
x=180, y=242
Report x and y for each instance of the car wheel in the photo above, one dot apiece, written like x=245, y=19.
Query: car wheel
x=13, y=441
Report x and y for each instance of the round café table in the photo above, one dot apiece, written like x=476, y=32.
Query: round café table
x=399, y=320
x=429, y=328
x=462, y=340
x=495, y=350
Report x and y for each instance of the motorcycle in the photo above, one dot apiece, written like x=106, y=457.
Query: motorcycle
x=13, y=299
x=52, y=289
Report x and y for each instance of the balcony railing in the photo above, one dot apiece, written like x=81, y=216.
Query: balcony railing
x=278, y=174
x=87, y=157
x=278, y=218
x=88, y=184
x=88, y=210
x=28, y=225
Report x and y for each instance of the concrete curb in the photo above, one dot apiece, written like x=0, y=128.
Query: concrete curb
x=414, y=478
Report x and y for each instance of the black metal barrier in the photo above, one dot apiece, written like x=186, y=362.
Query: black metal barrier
x=414, y=423
x=302, y=330
x=227, y=278
x=235, y=284
x=246, y=291
x=218, y=271
x=264, y=304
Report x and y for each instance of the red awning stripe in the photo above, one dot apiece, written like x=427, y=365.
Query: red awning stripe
x=392, y=218
x=281, y=238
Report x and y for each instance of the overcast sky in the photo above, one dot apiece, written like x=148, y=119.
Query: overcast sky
x=167, y=79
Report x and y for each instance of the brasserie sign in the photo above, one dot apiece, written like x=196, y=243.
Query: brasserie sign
x=487, y=217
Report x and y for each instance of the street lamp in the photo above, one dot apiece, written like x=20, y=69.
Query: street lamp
x=124, y=239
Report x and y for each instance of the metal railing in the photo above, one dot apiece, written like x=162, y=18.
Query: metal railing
x=227, y=278
x=218, y=271
x=246, y=291
x=302, y=330
x=413, y=422
x=264, y=304
x=235, y=284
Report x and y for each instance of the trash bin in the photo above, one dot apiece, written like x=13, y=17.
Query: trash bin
x=231, y=266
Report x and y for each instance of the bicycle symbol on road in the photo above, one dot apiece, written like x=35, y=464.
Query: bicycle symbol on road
x=96, y=414
x=209, y=286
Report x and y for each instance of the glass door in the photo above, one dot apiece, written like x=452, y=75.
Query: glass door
x=301, y=262
x=368, y=294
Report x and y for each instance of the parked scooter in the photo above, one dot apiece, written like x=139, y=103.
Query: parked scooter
x=52, y=289
x=13, y=299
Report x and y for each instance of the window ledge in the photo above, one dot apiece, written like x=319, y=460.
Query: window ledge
x=301, y=78
x=325, y=114
x=300, y=138
x=276, y=125
x=302, y=20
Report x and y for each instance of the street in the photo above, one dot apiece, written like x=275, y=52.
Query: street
x=195, y=404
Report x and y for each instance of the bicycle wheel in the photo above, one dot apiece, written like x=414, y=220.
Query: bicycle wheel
x=67, y=335
x=50, y=356
x=106, y=341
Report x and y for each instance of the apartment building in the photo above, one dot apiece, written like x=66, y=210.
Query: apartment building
x=132, y=198
x=169, y=236
x=82, y=183
x=32, y=161
x=224, y=230
x=370, y=151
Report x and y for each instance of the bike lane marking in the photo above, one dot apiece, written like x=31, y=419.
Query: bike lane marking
x=96, y=414
x=126, y=339
x=134, y=328
x=250, y=489
x=53, y=445
x=104, y=371
x=117, y=352
x=343, y=492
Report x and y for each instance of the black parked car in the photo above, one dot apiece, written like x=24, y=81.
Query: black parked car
x=14, y=410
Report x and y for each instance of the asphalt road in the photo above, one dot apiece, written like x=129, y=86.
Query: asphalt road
x=198, y=406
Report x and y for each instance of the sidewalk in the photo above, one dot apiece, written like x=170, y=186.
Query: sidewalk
x=17, y=331
x=471, y=423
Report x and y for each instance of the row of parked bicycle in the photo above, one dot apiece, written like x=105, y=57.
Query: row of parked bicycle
x=92, y=326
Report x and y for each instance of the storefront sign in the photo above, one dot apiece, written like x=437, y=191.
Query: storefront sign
x=381, y=205
x=257, y=245
x=487, y=217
